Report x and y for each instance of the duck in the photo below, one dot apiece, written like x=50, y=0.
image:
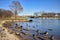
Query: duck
x=52, y=38
x=45, y=33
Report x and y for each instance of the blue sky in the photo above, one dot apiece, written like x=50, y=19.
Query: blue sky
x=31, y=6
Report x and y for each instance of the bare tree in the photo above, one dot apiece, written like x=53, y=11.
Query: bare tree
x=16, y=7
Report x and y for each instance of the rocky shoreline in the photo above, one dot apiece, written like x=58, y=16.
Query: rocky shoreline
x=19, y=33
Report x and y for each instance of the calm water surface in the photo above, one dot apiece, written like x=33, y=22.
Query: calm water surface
x=43, y=25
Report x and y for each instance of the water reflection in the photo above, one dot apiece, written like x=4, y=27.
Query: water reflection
x=50, y=25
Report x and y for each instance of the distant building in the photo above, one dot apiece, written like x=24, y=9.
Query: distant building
x=58, y=14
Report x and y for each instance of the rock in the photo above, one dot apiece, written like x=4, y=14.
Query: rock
x=30, y=20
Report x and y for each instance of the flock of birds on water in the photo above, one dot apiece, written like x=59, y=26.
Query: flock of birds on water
x=27, y=32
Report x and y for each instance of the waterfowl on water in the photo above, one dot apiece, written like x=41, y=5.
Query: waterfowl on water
x=38, y=31
x=45, y=33
x=21, y=28
x=50, y=29
x=52, y=38
x=34, y=37
x=16, y=25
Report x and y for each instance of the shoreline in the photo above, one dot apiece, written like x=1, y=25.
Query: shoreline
x=17, y=36
x=8, y=35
